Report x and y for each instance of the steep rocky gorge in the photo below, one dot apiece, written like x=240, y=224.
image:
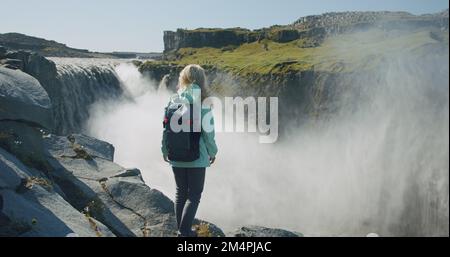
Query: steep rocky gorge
x=55, y=182
x=311, y=95
x=336, y=51
x=379, y=86
x=364, y=115
x=66, y=185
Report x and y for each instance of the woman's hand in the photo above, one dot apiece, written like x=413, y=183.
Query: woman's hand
x=166, y=159
x=212, y=160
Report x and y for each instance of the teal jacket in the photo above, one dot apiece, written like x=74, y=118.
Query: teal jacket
x=207, y=144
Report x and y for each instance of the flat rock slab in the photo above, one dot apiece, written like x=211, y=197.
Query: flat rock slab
x=67, y=146
x=117, y=196
x=31, y=207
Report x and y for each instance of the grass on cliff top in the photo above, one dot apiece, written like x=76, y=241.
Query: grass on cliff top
x=257, y=57
x=345, y=52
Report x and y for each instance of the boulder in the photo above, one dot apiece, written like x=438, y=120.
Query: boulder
x=258, y=231
x=23, y=98
x=146, y=211
x=40, y=67
x=45, y=72
x=31, y=207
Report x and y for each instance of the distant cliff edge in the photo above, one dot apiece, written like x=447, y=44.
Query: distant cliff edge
x=313, y=27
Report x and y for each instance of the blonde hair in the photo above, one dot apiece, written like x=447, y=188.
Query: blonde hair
x=193, y=74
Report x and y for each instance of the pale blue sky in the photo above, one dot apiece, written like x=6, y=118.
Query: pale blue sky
x=138, y=25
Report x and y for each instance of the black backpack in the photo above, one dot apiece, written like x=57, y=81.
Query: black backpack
x=182, y=146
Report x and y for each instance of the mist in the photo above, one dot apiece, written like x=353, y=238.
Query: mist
x=380, y=164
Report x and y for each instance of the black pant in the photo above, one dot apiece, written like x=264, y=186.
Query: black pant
x=189, y=188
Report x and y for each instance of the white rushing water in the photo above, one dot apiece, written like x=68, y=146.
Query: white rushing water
x=79, y=83
x=382, y=168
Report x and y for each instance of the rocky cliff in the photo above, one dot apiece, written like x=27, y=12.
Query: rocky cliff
x=305, y=79
x=219, y=38
x=338, y=22
x=313, y=27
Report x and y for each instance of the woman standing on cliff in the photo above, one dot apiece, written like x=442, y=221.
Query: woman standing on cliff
x=188, y=153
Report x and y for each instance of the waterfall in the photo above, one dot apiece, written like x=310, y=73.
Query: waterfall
x=163, y=85
x=79, y=83
x=379, y=165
